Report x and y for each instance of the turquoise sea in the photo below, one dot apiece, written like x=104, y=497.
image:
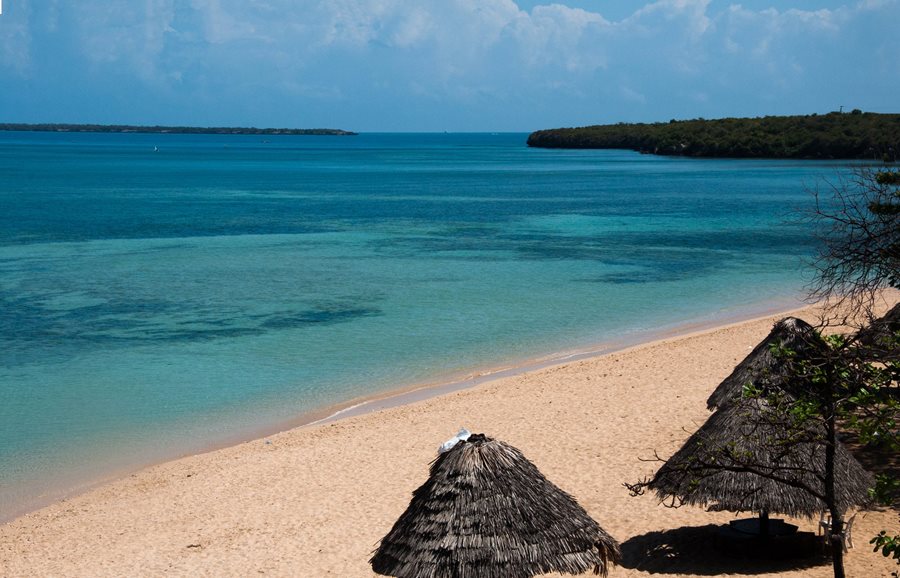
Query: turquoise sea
x=161, y=294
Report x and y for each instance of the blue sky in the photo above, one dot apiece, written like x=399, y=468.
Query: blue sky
x=435, y=65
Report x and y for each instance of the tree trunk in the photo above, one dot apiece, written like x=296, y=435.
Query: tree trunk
x=837, y=544
x=837, y=520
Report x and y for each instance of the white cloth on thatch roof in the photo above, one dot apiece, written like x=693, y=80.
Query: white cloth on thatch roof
x=461, y=436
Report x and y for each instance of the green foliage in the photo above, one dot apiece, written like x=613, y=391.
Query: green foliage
x=885, y=489
x=885, y=492
x=888, y=203
x=887, y=177
x=871, y=409
x=857, y=135
x=805, y=410
x=889, y=546
x=751, y=390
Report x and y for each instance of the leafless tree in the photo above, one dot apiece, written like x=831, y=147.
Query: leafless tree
x=857, y=222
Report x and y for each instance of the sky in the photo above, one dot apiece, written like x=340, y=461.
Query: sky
x=442, y=65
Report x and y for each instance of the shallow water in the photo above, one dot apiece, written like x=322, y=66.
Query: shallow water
x=157, y=302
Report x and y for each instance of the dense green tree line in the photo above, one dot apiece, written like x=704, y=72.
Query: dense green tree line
x=53, y=127
x=855, y=135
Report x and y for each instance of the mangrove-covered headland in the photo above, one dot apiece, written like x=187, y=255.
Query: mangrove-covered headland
x=852, y=135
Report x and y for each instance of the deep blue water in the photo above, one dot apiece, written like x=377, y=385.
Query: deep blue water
x=162, y=293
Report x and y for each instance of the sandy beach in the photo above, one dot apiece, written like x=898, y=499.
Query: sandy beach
x=314, y=501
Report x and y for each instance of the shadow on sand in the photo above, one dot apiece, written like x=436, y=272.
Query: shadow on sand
x=699, y=550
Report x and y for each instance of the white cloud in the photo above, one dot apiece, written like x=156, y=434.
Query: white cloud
x=128, y=37
x=558, y=36
x=412, y=29
x=691, y=12
x=16, y=39
x=632, y=95
x=229, y=23
x=458, y=36
x=780, y=45
x=875, y=4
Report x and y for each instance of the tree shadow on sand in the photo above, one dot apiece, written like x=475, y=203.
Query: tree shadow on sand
x=699, y=550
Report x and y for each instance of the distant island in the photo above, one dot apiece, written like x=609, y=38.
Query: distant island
x=52, y=127
x=853, y=135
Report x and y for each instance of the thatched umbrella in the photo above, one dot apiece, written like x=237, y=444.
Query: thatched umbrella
x=877, y=340
x=751, y=457
x=766, y=368
x=487, y=512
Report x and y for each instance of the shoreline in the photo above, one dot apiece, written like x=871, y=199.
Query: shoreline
x=421, y=391
x=476, y=376
x=315, y=500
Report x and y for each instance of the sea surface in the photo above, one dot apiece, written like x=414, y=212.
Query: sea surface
x=162, y=294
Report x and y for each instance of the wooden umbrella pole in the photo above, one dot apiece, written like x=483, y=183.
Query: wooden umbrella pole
x=764, y=524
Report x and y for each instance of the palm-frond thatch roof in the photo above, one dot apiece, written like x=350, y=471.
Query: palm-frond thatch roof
x=487, y=512
x=750, y=457
x=772, y=363
x=879, y=339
